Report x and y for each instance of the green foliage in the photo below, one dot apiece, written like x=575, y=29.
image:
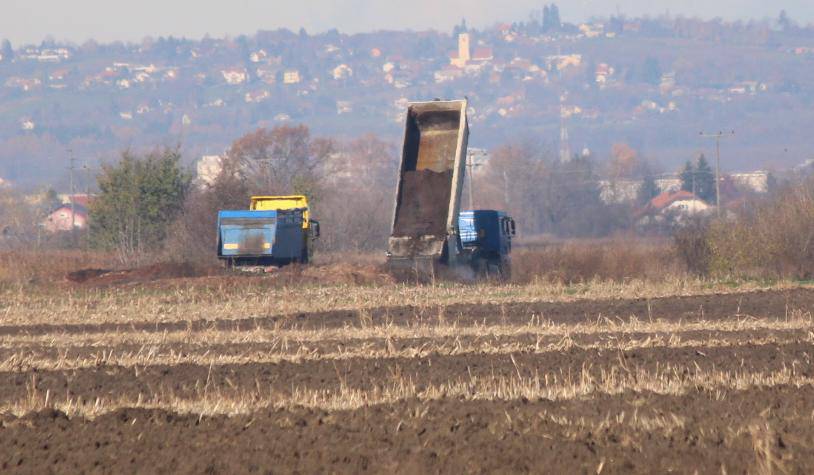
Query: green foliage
x=551, y=18
x=648, y=191
x=139, y=197
x=688, y=177
x=6, y=50
x=704, y=180
x=699, y=179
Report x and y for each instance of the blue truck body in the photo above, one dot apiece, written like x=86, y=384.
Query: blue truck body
x=261, y=237
x=486, y=240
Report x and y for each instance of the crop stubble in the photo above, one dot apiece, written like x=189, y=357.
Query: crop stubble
x=705, y=382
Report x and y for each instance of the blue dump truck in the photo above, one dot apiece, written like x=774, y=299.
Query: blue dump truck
x=261, y=238
x=486, y=240
x=429, y=232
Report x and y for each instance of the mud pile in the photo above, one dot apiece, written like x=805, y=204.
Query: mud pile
x=160, y=271
x=424, y=203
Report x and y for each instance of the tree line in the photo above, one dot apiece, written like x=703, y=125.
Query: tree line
x=150, y=205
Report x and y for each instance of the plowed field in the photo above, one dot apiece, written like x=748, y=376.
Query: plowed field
x=712, y=383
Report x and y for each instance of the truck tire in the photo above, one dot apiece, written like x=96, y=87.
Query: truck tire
x=500, y=269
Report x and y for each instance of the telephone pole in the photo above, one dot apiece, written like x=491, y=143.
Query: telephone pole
x=71, y=168
x=718, y=138
x=470, y=167
x=87, y=205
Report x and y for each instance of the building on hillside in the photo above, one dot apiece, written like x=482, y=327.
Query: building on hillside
x=257, y=96
x=344, y=107
x=563, y=61
x=465, y=56
x=343, y=71
x=757, y=182
x=619, y=191
x=291, y=76
x=235, y=76
x=66, y=217
x=672, y=208
x=668, y=184
x=207, y=170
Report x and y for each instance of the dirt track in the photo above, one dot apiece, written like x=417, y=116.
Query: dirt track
x=676, y=384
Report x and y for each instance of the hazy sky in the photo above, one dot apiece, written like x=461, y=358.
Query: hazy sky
x=27, y=21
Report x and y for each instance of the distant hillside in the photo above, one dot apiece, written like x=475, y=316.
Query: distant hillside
x=652, y=83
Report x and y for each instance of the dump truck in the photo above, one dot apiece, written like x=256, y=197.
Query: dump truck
x=309, y=226
x=275, y=230
x=425, y=219
x=425, y=235
x=486, y=239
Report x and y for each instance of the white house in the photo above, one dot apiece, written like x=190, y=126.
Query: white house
x=234, y=76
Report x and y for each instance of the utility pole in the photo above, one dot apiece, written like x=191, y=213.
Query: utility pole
x=71, y=196
x=717, y=138
x=87, y=211
x=470, y=165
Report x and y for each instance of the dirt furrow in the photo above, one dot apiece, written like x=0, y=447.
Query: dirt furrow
x=192, y=380
x=625, y=433
x=761, y=304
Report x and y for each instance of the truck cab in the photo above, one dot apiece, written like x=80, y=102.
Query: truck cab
x=486, y=239
x=291, y=202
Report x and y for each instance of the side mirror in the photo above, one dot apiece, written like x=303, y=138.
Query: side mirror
x=314, y=228
x=513, y=226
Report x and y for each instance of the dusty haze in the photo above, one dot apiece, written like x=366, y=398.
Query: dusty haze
x=30, y=21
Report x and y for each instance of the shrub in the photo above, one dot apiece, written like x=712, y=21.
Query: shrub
x=139, y=198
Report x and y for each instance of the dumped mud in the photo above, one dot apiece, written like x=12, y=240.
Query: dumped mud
x=330, y=274
x=166, y=270
x=424, y=203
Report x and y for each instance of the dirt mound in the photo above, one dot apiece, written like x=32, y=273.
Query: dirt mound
x=164, y=270
x=424, y=203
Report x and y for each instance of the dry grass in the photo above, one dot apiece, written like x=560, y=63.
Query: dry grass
x=667, y=380
x=22, y=268
x=387, y=341
x=219, y=298
x=280, y=351
x=616, y=260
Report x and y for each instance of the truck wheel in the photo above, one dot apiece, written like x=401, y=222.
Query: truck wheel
x=481, y=267
x=500, y=269
x=505, y=270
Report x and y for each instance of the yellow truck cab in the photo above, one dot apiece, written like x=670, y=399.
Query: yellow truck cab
x=281, y=203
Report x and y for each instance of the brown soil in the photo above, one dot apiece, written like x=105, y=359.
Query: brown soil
x=435, y=437
x=743, y=430
x=424, y=203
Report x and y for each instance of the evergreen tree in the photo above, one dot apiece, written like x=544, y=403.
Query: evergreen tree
x=783, y=21
x=699, y=179
x=688, y=177
x=6, y=50
x=546, y=19
x=704, y=180
x=139, y=198
x=556, y=23
x=461, y=28
x=648, y=191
